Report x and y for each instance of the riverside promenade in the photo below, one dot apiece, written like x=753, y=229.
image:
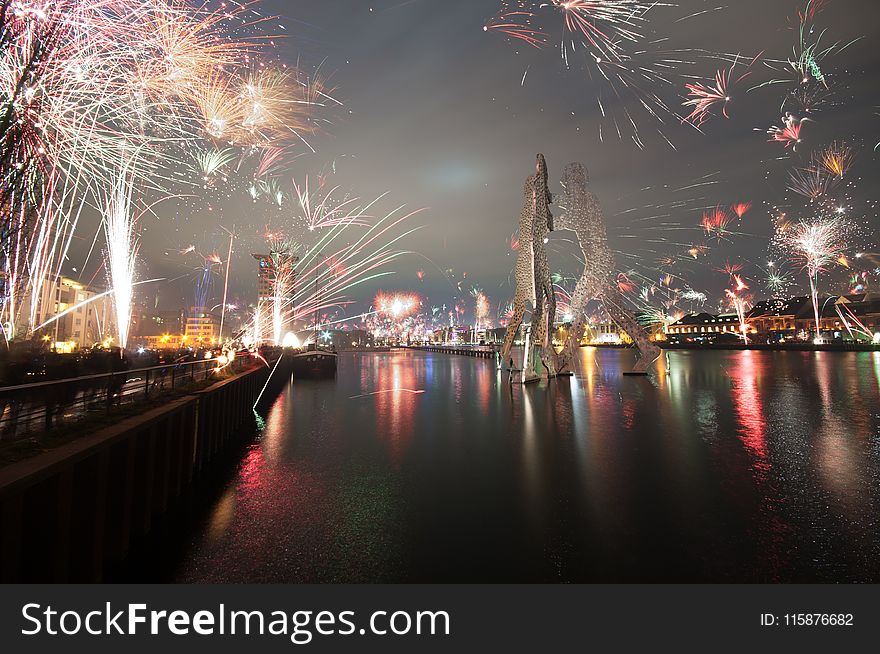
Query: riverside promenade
x=72, y=513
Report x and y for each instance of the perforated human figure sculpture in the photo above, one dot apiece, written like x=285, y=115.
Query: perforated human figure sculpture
x=532, y=277
x=582, y=214
x=545, y=299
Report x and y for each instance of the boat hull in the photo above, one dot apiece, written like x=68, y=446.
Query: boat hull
x=314, y=365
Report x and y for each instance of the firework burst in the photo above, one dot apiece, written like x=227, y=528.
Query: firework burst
x=789, y=134
x=739, y=302
x=741, y=209
x=716, y=222
x=482, y=308
x=837, y=159
x=815, y=246
x=702, y=98
x=813, y=183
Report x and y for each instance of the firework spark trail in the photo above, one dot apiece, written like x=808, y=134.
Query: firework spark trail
x=516, y=24
x=328, y=271
x=694, y=297
x=204, y=284
x=482, y=308
x=664, y=277
x=87, y=301
x=815, y=246
x=226, y=267
x=210, y=163
x=852, y=322
x=321, y=210
x=777, y=282
x=715, y=223
x=396, y=305
x=396, y=315
x=837, y=159
x=605, y=24
x=735, y=295
x=813, y=183
x=353, y=264
x=804, y=69
x=702, y=97
x=122, y=247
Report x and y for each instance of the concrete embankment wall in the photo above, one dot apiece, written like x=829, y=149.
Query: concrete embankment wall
x=72, y=513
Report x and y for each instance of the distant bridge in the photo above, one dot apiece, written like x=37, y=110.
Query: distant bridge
x=479, y=351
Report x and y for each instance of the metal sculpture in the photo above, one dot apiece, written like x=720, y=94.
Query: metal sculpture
x=582, y=214
x=533, y=283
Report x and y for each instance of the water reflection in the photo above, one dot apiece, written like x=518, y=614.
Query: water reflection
x=746, y=376
x=751, y=466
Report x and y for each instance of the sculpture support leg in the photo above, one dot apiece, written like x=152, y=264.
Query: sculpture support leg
x=614, y=305
x=512, y=329
x=572, y=343
x=583, y=293
x=531, y=358
x=548, y=354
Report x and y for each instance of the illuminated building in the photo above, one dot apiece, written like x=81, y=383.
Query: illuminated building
x=87, y=320
x=202, y=327
x=703, y=327
x=265, y=277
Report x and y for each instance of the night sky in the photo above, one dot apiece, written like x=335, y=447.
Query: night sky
x=436, y=112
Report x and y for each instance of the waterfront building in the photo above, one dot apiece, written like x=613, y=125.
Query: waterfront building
x=157, y=323
x=269, y=267
x=778, y=319
x=161, y=329
x=276, y=288
x=265, y=277
x=704, y=328
x=74, y=314
x=495, y=336
x=859, y=315
x=853, y=317
x=202, y=326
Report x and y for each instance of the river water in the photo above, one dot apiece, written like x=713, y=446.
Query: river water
x=720, y=466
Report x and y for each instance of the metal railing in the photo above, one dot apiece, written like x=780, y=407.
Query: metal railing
x=27, y=409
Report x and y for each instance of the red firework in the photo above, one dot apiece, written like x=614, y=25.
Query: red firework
x=731, y=269
x=813, y=7
x=625, y=284
x=703, y=97
x=790, y=132
x=741, y=209
x=517, y=25
x=396, y=306
x=715, y=222
x=514, y=241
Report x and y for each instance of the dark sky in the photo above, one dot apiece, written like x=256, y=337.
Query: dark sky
x=435, y=112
